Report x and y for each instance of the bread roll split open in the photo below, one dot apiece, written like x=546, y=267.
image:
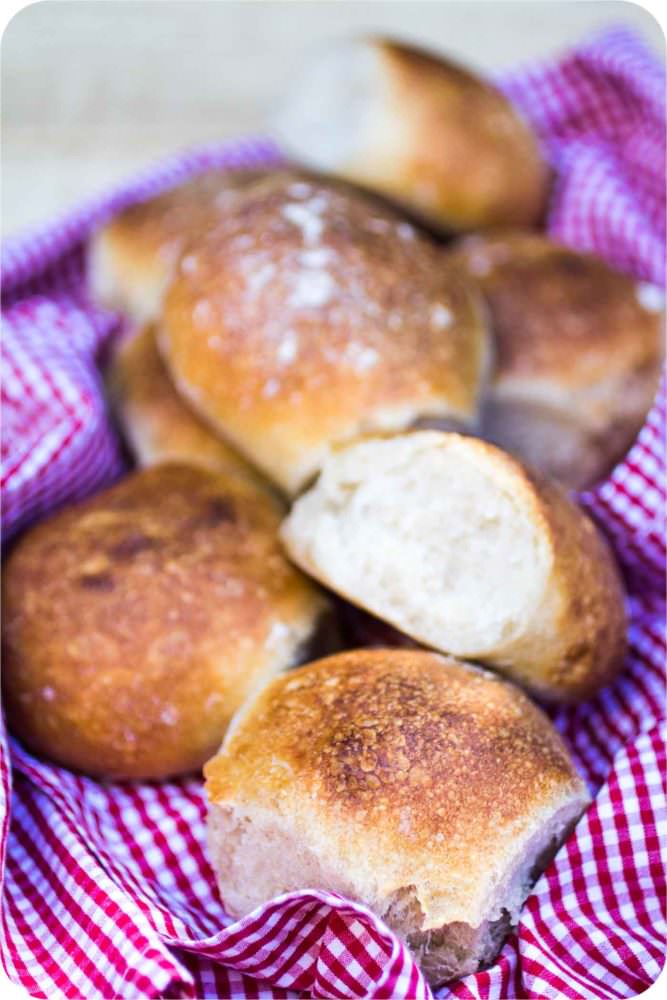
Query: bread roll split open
x=456, y=544
x=429, y=790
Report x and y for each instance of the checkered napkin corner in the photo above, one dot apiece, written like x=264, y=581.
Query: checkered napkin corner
x=107, y=890
x=109, y=893
x=600, y=114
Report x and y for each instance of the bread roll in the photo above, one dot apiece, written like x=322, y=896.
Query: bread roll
x=132, y=256
x=310, y=315
x=418, y=128
x=579, y=350
x=427, y=789
x=157, y=424
x=457, y=545
x=136, y=623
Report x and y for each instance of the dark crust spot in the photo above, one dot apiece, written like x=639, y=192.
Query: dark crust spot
x=384, y=735
x=97, y=581
x=217, y=510
x=571, y=264
x=130, y=546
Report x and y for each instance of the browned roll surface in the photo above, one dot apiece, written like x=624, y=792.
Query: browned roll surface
x=420, y=129
x=132, y=256
x=426, y=788
x=310, y=315
x=157, y=423
x=136, y=622
x=578, y=353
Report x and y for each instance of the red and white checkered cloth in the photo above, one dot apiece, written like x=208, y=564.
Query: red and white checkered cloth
x=106, y=889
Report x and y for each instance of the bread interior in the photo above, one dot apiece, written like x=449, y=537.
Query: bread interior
x=330, y=110
x=258, y=856
x=430, y=539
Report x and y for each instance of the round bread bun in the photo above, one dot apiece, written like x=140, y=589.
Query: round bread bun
x=132, y=256
x=452, y=541
x=419, y=129
x=579, y=351
x=310, y=315
x=429, y=790
x=137, y=622
x=156, y=423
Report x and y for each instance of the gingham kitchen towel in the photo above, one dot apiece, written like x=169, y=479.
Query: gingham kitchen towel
x=106, y=888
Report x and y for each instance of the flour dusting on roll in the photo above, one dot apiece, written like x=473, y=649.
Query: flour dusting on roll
x=131, y=258
x=310, y=315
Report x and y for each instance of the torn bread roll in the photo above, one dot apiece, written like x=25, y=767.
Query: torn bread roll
x=136, y=623
x=456, y=544
x=156, y=422
x=579, y=351
x=427, y=789
x=311, y=315
x=418, y=128
x=132, y=256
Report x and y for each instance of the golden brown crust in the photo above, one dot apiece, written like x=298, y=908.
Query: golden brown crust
x=136, y=622
x=558, y=314
x=468, y=159
x=157, y=423
x=376, y=729
x=132, y=256
x=382, y=728
x=150, y=226
x=433, y=768
x=590, y=625
x=309, y=315
x=579, y=350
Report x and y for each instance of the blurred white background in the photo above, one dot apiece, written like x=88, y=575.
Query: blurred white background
x=93, y=90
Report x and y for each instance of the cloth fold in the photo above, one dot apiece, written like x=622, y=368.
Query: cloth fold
x=106, y=888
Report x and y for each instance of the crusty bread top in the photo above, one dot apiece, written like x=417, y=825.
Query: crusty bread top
x=471, y=158
x=419, y=128
x=437, y=770
x=154, y=230
x=561, y=315
x=157, y=593
x=310, y=313
x=157, y=422
x=169, y=519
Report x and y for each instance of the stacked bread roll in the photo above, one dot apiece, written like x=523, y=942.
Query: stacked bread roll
x=309, y=316
x=578, y=353
x=420, y=129
x=131, y=259
x=307, y=391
